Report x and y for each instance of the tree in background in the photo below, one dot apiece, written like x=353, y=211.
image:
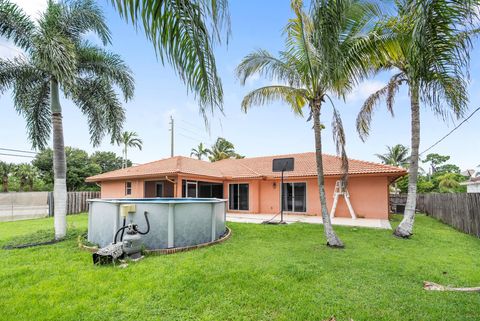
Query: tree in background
x=128, y=139
x=443, y=178
x=324, y=55
x=199, y=152
x=79, y=167
x=435, y=160
x=184, y=33
x=57, y=58
x=222, y=149
x=26, y=175
x=108, y=161
x=428, y=44
x=6, y=170
x=396, y=155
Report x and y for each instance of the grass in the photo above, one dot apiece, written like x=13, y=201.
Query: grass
x=261, y=273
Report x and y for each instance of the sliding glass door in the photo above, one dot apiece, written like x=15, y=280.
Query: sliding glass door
x=295, y=197
x=238, y=197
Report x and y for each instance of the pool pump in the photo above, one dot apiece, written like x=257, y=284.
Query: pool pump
x=129, y=244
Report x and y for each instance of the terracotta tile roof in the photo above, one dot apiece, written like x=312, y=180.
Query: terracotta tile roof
x=255, y=167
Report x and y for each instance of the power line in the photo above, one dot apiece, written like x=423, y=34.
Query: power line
x=191, y=124
x=195, y=133
x=16, y=155
x=450, y=132
x=189, y=137
x=18, y=150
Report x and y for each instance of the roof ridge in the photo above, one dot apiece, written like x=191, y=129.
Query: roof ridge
x=253, y=171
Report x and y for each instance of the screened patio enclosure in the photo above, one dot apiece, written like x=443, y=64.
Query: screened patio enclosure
x=200, y=189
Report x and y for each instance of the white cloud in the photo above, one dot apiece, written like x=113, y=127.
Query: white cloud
x=34, y=9
x=363, y=90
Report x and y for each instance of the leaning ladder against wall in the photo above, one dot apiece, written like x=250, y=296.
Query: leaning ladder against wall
x=341, y=190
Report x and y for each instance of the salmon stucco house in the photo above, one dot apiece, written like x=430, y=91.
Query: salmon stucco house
x=250, y=185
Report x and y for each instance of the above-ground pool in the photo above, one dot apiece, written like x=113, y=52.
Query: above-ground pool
x=174, y=222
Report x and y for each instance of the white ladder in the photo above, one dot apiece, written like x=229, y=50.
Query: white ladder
x=340, y=189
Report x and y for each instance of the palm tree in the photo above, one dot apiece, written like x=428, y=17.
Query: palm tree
x=129, y=139
x=428, y=44
x=324, y=56
x=26, y=175
x=396, y=155
x=222, y=149
x=58, y=59
x=5, y=170
x=185, y=33
x=199, y=152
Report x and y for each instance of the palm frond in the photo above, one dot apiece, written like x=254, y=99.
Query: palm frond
x=32, y=101
x=364, y=117
x=340, y=141
x=180, y=34
x=97, y=100
x=294, y=97
x=16, y=25
x=82, y=16
x=94, y=61
x=268, y=66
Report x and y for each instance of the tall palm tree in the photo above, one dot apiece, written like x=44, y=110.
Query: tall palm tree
x=129, y=139
x=5, y=170
x=396, y=155
x=222, y=149
x=324, y=55
x=428, y=45
x=184, y=33
x=199, y=152
x=58, y=59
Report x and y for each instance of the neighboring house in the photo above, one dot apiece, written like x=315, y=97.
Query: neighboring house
x=473, y=185
x=251, y=186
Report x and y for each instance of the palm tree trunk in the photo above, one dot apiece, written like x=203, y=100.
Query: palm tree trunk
x=59, y=165
x=332, y=238
x=125, y=162
x=405, y=229
x=5, y=183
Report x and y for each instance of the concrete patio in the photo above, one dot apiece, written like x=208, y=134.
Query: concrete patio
x=345, y=221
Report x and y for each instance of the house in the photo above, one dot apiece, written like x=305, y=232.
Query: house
x=473, y=184
x=251, y=186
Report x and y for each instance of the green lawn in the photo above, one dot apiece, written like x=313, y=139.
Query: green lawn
x=261, y=273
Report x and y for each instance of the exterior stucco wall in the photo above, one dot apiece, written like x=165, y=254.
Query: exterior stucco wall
x=368, y=194
x=116, y=189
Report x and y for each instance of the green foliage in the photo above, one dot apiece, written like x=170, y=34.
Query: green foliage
x=56, y=54
x=79, y=166
x=396, y=156
x=108, y=161
x=222, y=149
x=445, y=178
x=184, y=33
x=253, y=274
x=199, y=152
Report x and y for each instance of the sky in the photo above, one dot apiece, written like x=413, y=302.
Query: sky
x=265, y=130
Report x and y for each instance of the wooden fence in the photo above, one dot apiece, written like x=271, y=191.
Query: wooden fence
x=76, y=201
x=460, y=210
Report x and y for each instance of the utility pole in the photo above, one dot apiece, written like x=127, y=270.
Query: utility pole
x=171, y=136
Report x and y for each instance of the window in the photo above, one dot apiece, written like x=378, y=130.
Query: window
x=128, y=188
x=238, y=197
x=295, y=197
